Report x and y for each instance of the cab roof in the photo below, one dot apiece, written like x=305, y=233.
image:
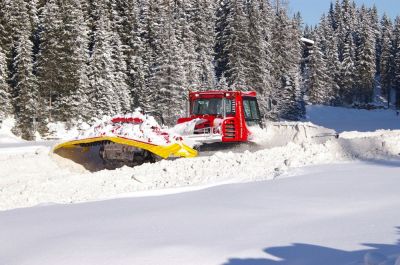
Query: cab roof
x=221, y=93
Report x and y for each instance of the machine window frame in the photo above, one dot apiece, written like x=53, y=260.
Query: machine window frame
x=251, y=110
x=216, y=102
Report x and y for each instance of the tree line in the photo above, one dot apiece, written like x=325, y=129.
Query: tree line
x=69, y=60
x=74, y=60
x=355, y=59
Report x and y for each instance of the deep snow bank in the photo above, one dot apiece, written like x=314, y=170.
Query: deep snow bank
x=31, y=175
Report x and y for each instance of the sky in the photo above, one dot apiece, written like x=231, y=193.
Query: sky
x=311, y=10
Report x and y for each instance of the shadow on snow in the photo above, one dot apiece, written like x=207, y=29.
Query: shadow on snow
x=306, y=254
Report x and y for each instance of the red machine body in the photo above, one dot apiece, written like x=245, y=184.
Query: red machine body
x=223, y=116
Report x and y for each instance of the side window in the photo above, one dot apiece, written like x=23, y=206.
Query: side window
x=251, y=112
x=254, y=110
x=247, y=109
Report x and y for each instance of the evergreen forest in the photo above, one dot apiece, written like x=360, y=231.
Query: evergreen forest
x=75, y=60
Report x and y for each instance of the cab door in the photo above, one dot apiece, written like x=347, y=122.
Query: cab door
x=251, y=111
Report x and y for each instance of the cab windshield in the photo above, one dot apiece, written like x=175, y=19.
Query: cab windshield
x=210, y=106
x=213, y=106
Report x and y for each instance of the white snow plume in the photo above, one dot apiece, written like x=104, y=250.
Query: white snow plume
x=6, y=136
x=136, y=125
x=281, y=133
x=60, y=130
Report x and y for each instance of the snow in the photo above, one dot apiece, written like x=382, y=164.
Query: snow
x=330, y=214
x=308, y=41
x=31, y=174
x=332, y=200
x=45, y=178
x=59, y=130
x=135, y=125
x=6, y=136
x=345, y=119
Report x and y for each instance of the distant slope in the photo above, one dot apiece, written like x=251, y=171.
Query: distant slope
x=346, y=119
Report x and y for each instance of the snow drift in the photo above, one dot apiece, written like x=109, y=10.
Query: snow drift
x=31, y=175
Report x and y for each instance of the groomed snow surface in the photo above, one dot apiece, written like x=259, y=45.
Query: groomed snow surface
x=332, y=201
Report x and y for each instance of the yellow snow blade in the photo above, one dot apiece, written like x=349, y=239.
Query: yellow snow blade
x=186, y=151
x=162, y=151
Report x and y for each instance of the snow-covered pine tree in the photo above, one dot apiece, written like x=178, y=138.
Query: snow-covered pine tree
x=365, y=64
x=221, y=37
x=278, y=55
x=33, y=11
x=297, y=108
x=187, y=41
x=330, y=43
x=285, y=41
x=259, y=75
x=48, y=64
x=396, y=56
x=101, y=66
x=162, y=58
x=242, y=46
x=236, y=45
x=347, y=71
x=222, y=84
x=266, y=22
x=339, y=27
x=23, y=78
x=386, y=59
x=75, y=46
x=120, y=85
x=346, y=19
x=131, y=15
x=202, y=21
x=80, y=101
x=120, y=79
x=318, y=78
x=351, y=37
x=331, y=17
x=336, y=15
x=5, y=27
x=5, y=104
x=148, y=51
x=137, y=72
x=375, y=28
x=62, y=58
x=166, y=81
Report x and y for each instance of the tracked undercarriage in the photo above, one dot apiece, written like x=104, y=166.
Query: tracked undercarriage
x=117, y=155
